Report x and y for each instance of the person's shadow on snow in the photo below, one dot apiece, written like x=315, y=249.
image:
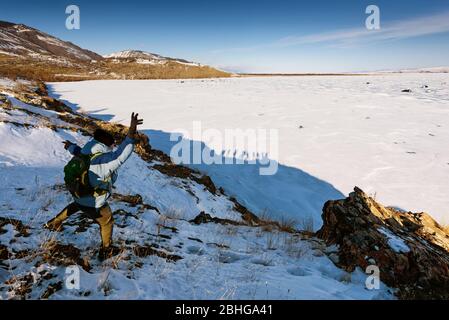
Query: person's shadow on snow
x=289, y=194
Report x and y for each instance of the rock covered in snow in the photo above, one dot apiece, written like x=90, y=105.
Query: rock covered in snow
x=410, y=249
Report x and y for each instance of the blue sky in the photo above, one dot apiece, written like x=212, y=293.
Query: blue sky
x=255, y=36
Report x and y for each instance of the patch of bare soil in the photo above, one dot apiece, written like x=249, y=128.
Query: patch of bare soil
x=134, y=201
x=4, y=253
x=144, y=251
x=17, y=224
x=64, y=254
x=20, y=287
x=51, y=289
x=207, y=218
x=182, y=172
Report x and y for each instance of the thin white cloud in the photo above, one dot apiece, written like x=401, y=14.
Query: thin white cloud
x=428, y=25
x=416, y=27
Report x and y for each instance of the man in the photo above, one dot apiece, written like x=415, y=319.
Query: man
x=101, y=176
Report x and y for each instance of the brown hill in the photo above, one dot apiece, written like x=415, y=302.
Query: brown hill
x=28, y=53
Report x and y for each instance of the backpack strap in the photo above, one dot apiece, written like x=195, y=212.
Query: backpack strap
x=98, y=191
x=85, y=175
x=95, y=155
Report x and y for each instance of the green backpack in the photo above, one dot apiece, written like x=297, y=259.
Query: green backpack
x=76, y=175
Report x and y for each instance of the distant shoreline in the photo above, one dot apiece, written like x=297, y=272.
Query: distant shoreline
x=331, y=74
x=299, y=74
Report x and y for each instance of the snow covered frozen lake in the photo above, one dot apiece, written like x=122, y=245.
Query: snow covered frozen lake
x=335, y=132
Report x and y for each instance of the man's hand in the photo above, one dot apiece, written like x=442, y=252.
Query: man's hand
x=135, y=121
x=67, y=144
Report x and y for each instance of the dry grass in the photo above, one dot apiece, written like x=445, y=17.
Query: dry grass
x=27, y=68
x=230, y=230
x=283, y=234
x=170, y=70
x=272, y=240
x=292, y=246
x=174, y=213
x=14, y=68
x=284, y=224
x=306, y=224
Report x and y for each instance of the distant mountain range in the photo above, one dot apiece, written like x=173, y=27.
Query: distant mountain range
x=422, y=70
x=30, y=53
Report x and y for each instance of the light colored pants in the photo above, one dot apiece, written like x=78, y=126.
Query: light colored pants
x=102, y=216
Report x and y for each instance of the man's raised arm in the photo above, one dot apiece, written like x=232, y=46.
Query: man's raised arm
x=72, y=147
x=111, y=161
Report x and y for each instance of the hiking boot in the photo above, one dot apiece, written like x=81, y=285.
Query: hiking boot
x=108, y=252
x=52, y=226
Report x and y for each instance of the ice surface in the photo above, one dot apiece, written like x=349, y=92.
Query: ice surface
x=334, y=133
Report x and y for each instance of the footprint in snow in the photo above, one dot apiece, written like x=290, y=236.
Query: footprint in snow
x=299, y=272
x=262, y=262
x=229, y=257
x=195, y=250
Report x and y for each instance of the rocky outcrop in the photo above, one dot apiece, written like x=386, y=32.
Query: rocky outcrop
x=411, y=250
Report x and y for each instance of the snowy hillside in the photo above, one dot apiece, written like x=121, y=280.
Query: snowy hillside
x=165, y=254
x=334, y=132
x=28, y=53
x=134, y=54
x=18, y=39
x=143, y=57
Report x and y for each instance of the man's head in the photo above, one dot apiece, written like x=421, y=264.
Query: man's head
x=104, y=137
